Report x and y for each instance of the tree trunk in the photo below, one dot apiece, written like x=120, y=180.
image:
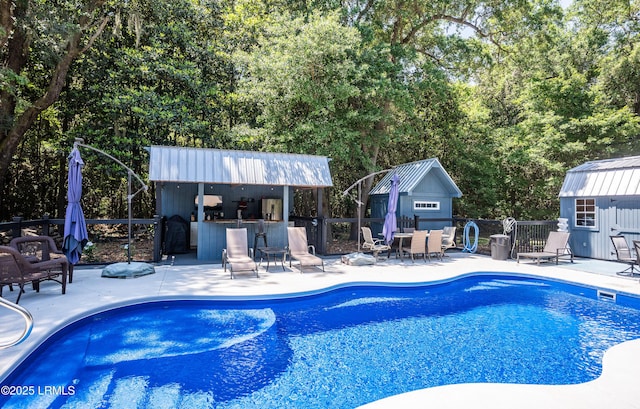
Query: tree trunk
x=13, y=128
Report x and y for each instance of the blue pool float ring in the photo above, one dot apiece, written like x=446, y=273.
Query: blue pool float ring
x=468, y=247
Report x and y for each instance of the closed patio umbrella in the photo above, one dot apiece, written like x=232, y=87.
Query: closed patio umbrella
x=75, y=227
x=389, y=228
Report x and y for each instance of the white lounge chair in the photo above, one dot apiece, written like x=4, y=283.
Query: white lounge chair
x=448, y=238
x=375, y=246
x=557, y=246
x=299, y=248
x=238, y=256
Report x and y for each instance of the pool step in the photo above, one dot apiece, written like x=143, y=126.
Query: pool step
x=167, y=396
x=129, y=393
x=91, y=396
x=135, y=392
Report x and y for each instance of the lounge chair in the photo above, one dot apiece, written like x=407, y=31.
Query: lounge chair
x=376, y=246
x=419, y=244
x=623, y=255
x=448, y=238
x=299, y=248
x=557, y=246
x=17, y=269
x=39, y=248
x=238, y=256
x=434, y=244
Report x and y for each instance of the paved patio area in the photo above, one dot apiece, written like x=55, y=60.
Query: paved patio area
x=185, y=277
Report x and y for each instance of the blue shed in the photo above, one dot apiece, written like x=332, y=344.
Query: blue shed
x=426, y=190
x=600, y=199
x=218, y=189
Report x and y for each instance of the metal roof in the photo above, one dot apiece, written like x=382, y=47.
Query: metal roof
x=610, y=177
x=411, y=174
x=216, y=166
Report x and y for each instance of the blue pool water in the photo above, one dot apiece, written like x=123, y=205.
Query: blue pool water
x=339, y=349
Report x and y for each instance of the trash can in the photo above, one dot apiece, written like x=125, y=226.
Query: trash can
x=500, y=246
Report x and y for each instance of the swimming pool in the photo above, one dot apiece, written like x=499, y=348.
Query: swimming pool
x=340, y=349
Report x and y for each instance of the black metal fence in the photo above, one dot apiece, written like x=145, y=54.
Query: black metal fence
x=340, y=236
x=109, y=239
x=330, y=236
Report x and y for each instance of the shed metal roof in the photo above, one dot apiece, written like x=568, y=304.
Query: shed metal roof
x=411, y=174
x=217, y=166
x=610, y=177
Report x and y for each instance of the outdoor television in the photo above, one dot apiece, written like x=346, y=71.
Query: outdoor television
x=210, y=200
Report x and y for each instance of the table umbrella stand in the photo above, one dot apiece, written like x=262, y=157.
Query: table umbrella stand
x=360, y=203
x=117, y=269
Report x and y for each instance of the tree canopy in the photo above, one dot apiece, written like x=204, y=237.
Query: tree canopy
x=508, y=95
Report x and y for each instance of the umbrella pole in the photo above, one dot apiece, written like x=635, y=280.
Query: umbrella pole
x=130, y=196
x=359, y=201
x=359, y=212
x=129, y=215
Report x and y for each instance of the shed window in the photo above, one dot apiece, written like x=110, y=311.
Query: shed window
x=422, y=205
x=586, y=212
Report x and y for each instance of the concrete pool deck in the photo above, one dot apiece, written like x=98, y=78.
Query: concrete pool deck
x=89, y=293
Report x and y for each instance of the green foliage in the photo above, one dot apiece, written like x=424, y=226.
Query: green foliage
x=507, y=94
x=316, y=90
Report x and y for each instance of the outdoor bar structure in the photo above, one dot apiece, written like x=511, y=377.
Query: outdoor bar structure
x=217, y=189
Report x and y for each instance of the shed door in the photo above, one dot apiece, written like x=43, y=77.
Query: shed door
x=627, y=216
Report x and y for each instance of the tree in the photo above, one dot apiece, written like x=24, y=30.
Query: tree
x=306, y=79
x=157, y=79
x=549, y=113
x=328, y=88
x=30, y=83
x=507, y=94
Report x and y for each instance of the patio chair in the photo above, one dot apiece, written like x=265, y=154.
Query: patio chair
x=434, y=244
x=376, y=246
x=40, y=248
x=17, y=269
x=557, y=246
x=419, y=244
x=238, y=256
x=299, y=248
x=623, y=255
x=448, y=238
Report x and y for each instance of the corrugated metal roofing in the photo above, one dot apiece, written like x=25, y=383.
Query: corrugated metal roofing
x=410, y=176
x=217, y=166
x=610, y=177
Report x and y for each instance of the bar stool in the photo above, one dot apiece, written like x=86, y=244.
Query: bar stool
x=260, y=234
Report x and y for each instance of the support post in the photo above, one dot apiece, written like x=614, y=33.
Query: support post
x=45, y=224
x=16, y=231
x=157, y=238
